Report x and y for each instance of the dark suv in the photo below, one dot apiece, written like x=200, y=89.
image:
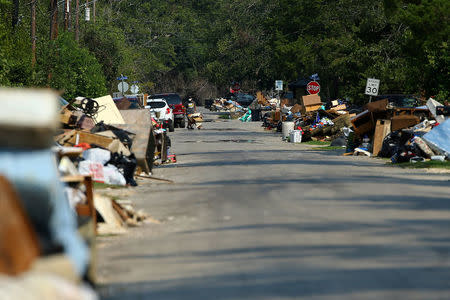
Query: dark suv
x=174, y=101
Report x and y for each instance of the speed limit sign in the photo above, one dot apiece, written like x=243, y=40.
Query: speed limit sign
x=372, y=87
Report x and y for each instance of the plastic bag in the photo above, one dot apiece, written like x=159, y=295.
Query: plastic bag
x=97, y=155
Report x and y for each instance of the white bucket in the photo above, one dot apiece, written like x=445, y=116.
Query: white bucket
x=287, y=128
x=295, y=136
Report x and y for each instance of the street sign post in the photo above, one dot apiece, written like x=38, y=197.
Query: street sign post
x=313, y=87
x=134, y=89
x=123, y=87
x=278, y=85
x=372, y=87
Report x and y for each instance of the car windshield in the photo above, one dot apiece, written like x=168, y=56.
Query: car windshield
x=172, y=99
x=156, y=104
x=408, y=102
x=244, y=97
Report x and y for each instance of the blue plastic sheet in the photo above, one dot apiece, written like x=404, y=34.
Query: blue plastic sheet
x=439, y=138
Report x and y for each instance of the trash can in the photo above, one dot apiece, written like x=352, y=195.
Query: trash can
x=295, y=136
x=256, y=115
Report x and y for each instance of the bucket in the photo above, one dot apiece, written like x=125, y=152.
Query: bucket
x=295, y=136
x=286, y=129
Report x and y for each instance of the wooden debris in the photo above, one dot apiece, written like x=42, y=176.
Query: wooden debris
x=155, y=178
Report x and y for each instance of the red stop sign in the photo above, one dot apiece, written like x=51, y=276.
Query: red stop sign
x=313, y=87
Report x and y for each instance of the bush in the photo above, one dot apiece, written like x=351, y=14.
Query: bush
x=66, y=66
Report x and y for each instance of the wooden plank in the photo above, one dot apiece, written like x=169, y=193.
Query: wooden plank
x=90, y=138
x=309, y=108
x=155, y=178
x=382, y=129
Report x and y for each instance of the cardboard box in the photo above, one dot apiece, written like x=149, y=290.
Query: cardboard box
x=311, y=100
x=311, y=103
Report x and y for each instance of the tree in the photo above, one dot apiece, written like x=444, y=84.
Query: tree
x=72, y=68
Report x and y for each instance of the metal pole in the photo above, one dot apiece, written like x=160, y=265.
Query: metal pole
x=77, y=20
x=33, y=33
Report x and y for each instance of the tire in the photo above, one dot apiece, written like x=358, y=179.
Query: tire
x=182, y=123
x=171, y=126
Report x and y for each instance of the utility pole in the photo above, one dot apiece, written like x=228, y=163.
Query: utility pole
x=77, y=20
x=15, y=14
x=53, y=19
x=93, y=8
x=33, y=33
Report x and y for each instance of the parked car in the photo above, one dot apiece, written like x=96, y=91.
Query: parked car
x=175, y=103
x=161, y=112
x=400, y=101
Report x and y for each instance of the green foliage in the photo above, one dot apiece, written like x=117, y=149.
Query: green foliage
x=175, y=45
x=73, y=69
x=15, y=54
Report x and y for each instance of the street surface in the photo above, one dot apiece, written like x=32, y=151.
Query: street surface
x=251, y=217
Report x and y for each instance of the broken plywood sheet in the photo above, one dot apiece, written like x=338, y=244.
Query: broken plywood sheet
x=108, y=112
x=139, y=122
x=382, y=129
x=113, y=223
x=136, y=116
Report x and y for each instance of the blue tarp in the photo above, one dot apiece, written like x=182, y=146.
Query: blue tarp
x=439, y=138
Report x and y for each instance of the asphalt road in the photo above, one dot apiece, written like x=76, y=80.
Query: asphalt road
x=251, y=217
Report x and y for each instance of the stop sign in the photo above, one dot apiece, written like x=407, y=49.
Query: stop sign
x=313, y=87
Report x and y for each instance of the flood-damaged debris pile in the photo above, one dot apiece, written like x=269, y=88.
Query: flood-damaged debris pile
x=381, y=128
x=57, y=160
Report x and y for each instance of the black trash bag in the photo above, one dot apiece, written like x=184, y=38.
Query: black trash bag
x=393, y=143
x=339, y=142
x=280, y=127
x=126, y=164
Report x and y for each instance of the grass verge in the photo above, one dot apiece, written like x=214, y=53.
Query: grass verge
x=226, y=117
x=328, y=148
x=425, y=165
x=99, y=185
x=317, y=143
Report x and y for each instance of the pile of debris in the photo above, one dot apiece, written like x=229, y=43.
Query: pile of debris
x=402, y=134
x=43, y=254
x=224, y=105
x=50, y=159
x=381, y=129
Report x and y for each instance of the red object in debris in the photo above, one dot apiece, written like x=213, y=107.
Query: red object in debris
x=173, y=158
x=313, y=87
x=84, y=146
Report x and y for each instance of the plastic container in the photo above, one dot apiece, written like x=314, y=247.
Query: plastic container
x=287, y=127
x=295, y=136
